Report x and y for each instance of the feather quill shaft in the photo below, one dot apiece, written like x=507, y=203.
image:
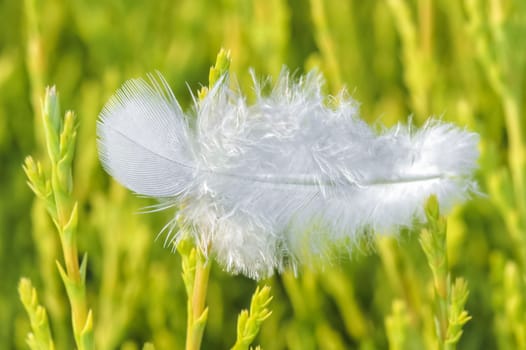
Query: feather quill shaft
x=284, y=179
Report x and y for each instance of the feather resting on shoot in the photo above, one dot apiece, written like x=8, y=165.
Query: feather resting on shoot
x=269, y=184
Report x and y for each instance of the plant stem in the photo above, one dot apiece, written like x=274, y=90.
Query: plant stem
x=55, y=189
x=449, y=299
x=196, y=266
x=197, y=312
x=200, y=287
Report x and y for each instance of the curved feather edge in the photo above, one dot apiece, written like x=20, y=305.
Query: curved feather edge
x=281, y=181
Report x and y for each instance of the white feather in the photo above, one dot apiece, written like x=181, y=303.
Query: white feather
x=282, y=180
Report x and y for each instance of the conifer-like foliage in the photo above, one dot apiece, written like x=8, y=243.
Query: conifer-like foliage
x=454, y=281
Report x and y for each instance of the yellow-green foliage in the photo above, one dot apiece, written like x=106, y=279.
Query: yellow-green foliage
x=464, y=60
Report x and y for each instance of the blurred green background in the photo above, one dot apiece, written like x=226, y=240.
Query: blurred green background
x=462, y=60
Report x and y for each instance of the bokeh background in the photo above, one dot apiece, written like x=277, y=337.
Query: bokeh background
x=461, y=60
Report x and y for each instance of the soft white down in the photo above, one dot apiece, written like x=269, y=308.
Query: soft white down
x=281, y=181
